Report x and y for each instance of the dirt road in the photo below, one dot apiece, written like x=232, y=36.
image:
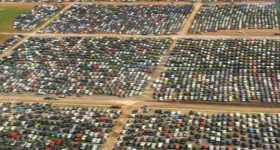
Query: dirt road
x=148, y=93
x=142, y=2
x=188, y=21
x=226, y=35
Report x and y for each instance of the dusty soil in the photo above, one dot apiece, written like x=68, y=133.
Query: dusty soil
x=3, y=38
x=245, y=32
x=18, y=5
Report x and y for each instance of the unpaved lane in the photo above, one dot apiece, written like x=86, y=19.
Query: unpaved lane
x=189, y=20
x=148, y=93
x=213, y=108
x=194, y=36
x=53, y=18
x=119, y=125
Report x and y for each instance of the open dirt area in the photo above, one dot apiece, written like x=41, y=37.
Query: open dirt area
x=3, y=38
x=18, y=5
x=246, y=32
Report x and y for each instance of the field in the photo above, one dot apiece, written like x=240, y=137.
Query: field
x=8, y=15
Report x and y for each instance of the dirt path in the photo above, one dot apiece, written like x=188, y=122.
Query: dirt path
x=53, y=18
x=128, y=103
x=213, y=108
x=244, y=32
x=227, y=35
x=9, y=51
x=148, y=93
x=189, y=20
x=140, y=3
x=120, y=122
x=160, y=2
x=18, y=5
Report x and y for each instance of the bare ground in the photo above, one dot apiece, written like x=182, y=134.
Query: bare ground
x=245, y=32
x=3, y=38
x=18, y=5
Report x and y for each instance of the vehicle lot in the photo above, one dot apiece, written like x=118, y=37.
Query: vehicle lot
x=29, y=126
x=125, y=19
x=111, y=69
x=85, y=103
x=213, y=18
x=221, y=70
x=30, y=20
x=82, y=66
x=6, y=41
x=169, y=129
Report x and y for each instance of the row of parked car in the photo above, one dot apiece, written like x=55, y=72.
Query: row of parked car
x=165, y=129
x=49, y=127
x=59, y=1
x=221, y=70
x=164, y=19
x=43, y=126
x=9, y=42
x=30, y=20
x=149, y=19
x=128, y=19
x=81, y=66
x=229, y=70
x=213, y=18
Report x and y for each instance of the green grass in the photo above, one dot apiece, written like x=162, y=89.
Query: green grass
x=8, y=15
